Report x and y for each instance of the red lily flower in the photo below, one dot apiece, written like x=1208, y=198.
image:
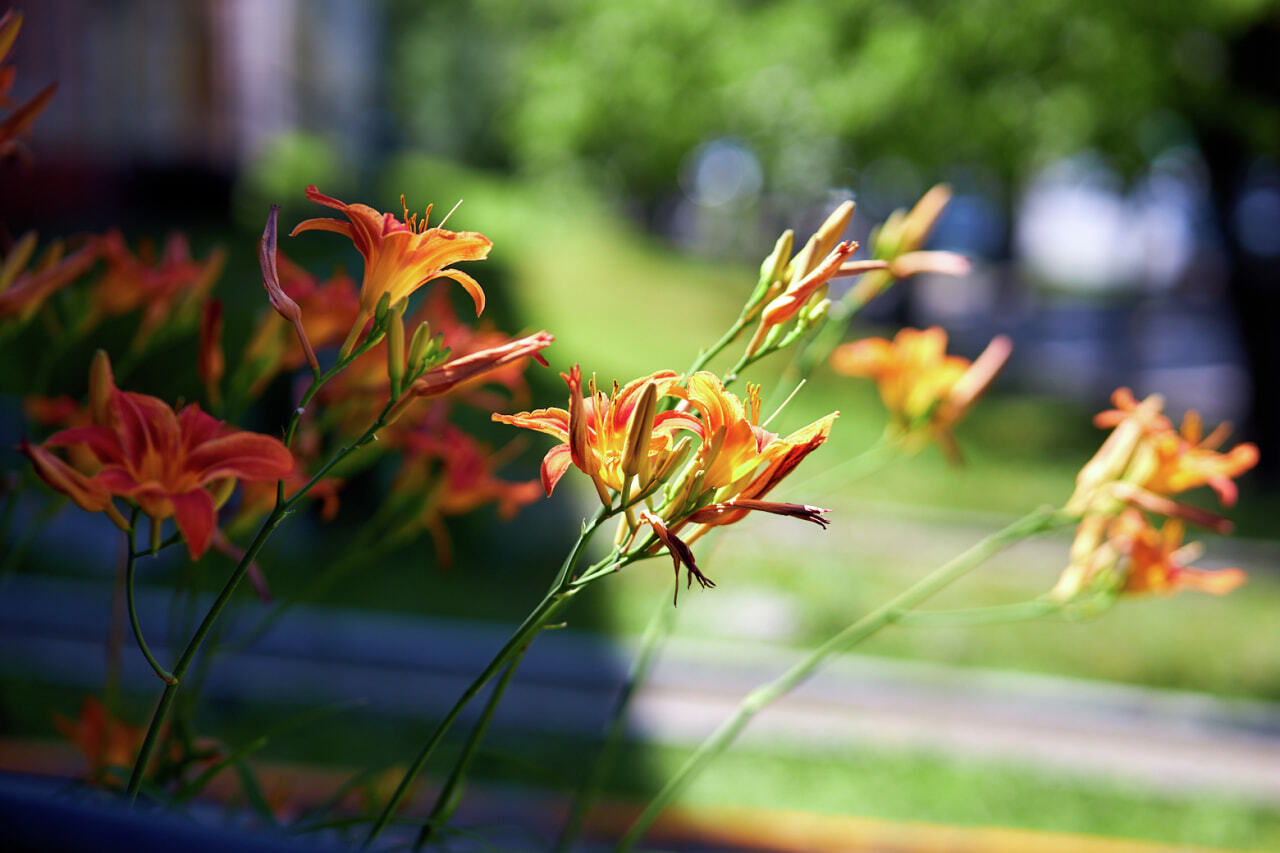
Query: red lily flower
x=164, y=462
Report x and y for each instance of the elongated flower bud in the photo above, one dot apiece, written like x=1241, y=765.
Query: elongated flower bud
x=419, y=344
x=101, y=386
x=395, y=351
x=280, y=301
x=635, y=456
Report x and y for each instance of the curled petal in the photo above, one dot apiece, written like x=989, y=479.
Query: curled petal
x=681, y=555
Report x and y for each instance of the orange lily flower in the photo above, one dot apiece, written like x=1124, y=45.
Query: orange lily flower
x=23, y=292
x=166, y=289
x=20, y=120
x=399, y=256
x=164, y=462
x=1179, y=460
x=595, y=431
x=919, y=383
x=459, y=475
x=1157, y=559
x=106, y=741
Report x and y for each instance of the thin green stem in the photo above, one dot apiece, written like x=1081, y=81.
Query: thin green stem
x=997, y=615
x=130, y=564
x=1040, y=520
x=657, y=631
x=272, y=521
x=557, y=596
x=705, y=356
x=447, y=799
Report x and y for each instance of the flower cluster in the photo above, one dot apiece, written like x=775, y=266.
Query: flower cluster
x=1142, y=463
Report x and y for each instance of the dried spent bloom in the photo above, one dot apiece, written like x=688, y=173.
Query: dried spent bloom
x=923, y=388
x=169, y=464
x=23, y=291
x=18, y=122
x=594, y=431
x=280, y=301
x=399, y=256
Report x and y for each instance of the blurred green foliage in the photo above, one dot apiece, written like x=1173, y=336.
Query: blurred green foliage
x=627, y=90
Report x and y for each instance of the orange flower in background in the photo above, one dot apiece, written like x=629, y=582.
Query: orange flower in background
x=1142, y=462
x=399, y=256
x=920, y=385
x=106, y=741
x=458, y=474
x=167, y=288
x=20, y=120
x=594, y=431
x=23, y=291
x=1179, y=460
x=164, y=462
x=1157, y=559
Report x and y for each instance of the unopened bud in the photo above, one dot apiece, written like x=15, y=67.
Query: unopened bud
x=419, y=344
x=771, y=272
x=833, y=229
x=635, y=455
x=395, y=352
x=101, y=386
x=380, y=313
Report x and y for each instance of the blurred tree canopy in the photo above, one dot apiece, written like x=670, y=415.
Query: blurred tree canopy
x=813, y=87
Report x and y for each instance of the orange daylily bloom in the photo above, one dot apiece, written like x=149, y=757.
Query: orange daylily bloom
x=20, y=120
x=1157, y=559
x=1183, y=459
x=165, y=462
x=106, y=741
x=458, y=476
x=23, y=291
x=749, y=460
x=920, y=384
x=166, y=289
x=595, y=430
x=399, y=256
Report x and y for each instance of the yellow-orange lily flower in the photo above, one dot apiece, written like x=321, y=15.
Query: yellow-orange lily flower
x=1157, y=559
x=594, y=431
x=919, y=383
x=399, y=256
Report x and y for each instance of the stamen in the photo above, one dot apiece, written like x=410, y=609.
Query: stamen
x=450, y=213
x=781, y=407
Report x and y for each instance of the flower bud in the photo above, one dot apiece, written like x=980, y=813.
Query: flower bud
x=635, y=455
x=395, y=352
x=419, y=345
x=101, y=387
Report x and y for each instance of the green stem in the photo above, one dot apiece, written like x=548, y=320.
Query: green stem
x=999, y=614
x=272, y=521
x=129, y=566
x=658, y=629
x=1037, y=521
x=705, y=356
x=557, y=596
x=447, y=799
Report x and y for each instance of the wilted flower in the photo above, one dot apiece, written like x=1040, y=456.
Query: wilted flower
x=399, y=256
x=923, y=388
x=168, y=464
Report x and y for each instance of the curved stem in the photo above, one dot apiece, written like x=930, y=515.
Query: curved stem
x=658, y=629
x=557, y=596
x=130, y=564
x=999, y=614
x=1040, y=520
x=447, y=799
